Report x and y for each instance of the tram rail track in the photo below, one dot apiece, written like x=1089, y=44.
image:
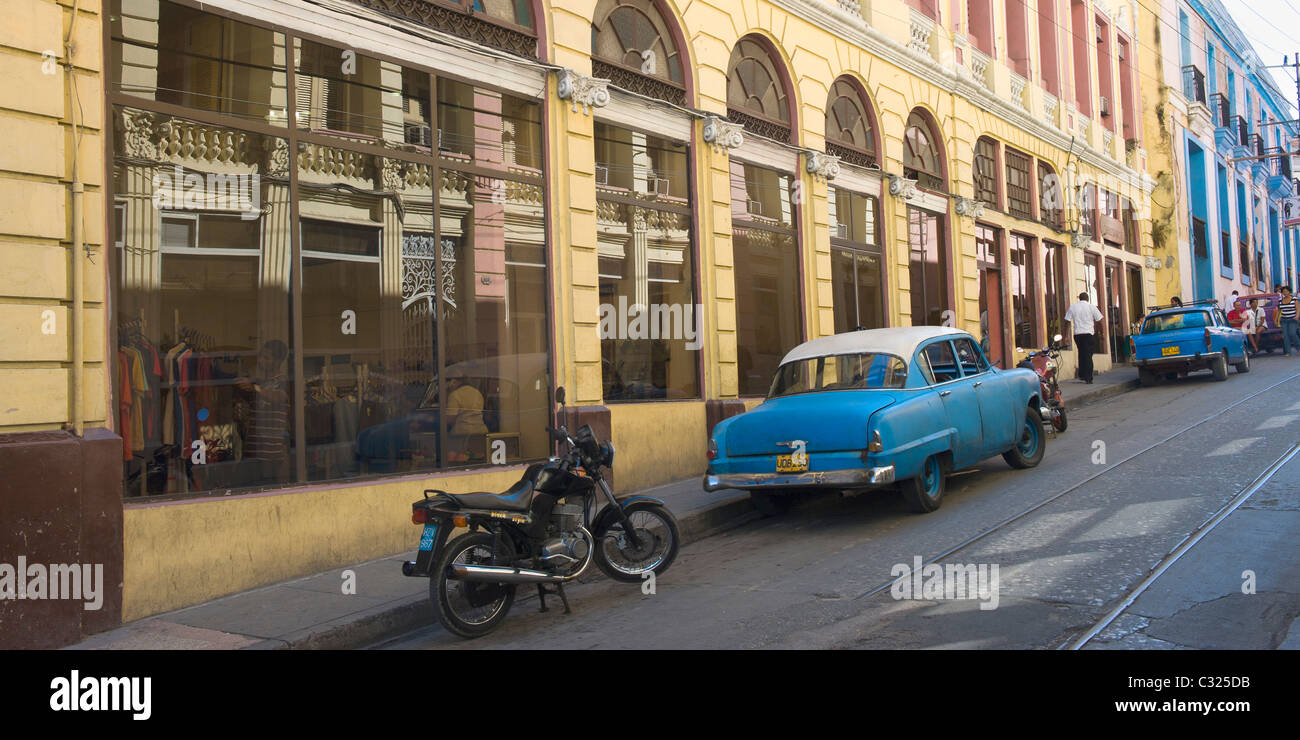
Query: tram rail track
x=1187, y=542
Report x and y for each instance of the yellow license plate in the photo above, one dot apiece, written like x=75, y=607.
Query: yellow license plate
x=1169, y=351
x=787, y=464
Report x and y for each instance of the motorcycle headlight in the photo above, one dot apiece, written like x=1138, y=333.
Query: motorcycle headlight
x=607, y=454
x=1051, y=364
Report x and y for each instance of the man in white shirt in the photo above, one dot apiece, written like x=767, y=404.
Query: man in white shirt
x=1230, y=302
x=1083, y=318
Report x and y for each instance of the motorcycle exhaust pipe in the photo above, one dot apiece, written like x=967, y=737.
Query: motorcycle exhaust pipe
x=501, y=574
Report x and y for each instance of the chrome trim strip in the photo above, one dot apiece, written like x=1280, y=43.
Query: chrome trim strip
x=832, y=478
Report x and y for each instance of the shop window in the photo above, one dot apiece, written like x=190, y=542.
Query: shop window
x=1020, y=189
x=986, y=172
x=1023, y=291
x=857, y=277
x=478, y=125
x=650, y=318
x=338, y=91
x=1054, y=293
x=928, y=269
x=171, y=53
x=632, y=44
x=766, y=273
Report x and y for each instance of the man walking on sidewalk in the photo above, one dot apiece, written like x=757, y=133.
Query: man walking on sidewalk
x=1083, y=318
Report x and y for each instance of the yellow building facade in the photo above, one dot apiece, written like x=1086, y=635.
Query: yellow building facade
x=646, y=202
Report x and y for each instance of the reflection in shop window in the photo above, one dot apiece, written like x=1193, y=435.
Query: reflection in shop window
x=176, y=54
x=855, y=261
x=203, y=374
x=339, y=91
x=767, y=273
x=481, y=126
x=1024, y=312
x=650, y=319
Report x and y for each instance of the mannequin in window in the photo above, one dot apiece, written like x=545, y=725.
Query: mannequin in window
x=268, y=431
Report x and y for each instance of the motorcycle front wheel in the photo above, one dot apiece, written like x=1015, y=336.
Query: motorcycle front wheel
x=471, y=608
x=1059, y=422
x=657, y=542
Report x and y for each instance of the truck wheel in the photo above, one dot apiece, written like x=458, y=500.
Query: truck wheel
x=1219, y=366
x=1244, y=365
x=771, y=503
x=1147, y=377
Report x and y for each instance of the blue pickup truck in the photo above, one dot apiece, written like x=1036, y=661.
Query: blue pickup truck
x=1177, y=340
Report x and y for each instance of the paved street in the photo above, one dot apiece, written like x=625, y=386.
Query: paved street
x=818, y=577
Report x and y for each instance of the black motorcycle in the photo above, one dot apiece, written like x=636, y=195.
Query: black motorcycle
x=541, y=531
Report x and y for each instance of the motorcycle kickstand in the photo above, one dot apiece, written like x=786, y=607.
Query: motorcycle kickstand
x=542, y=593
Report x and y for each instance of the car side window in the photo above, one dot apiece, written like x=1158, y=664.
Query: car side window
x=943, y=366
x=972, y=362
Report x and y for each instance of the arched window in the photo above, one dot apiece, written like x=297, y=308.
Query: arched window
x=922, y=159
x=756, y=94
x=633, y=45
x=849, y=133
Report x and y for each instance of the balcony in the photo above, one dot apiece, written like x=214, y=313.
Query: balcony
x=1280, y=183
x=1225, y=136
x=1194, y=84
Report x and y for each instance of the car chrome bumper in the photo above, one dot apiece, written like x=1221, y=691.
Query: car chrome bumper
x=828, y=478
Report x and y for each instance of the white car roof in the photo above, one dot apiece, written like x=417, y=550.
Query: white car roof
x=900, y=341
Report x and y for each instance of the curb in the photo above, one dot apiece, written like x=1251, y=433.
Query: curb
x=1099, y=394
x=412, y=612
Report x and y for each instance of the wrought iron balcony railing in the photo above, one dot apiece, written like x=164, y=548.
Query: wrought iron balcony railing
x=1220, y=109
x=1194, y=84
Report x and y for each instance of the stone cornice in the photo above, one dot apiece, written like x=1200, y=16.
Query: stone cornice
x=856, y=31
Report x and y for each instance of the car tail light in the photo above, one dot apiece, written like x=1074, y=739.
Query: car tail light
x=1132, y=348
x=419, y=516
x=876, y=445
x=1207, y=340
x=713, y=449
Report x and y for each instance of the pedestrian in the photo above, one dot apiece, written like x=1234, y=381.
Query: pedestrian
x=1250, y=325
x=1175, y=302
x=1083, y=317
x=1285, y=314
x=1230, y=302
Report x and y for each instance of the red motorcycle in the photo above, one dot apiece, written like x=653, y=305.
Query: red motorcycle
x=1045, y=362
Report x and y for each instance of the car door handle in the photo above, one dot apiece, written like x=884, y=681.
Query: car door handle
x=945, y=394
x=978, y=384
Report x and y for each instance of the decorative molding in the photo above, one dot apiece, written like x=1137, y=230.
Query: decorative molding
x=968, y=206
x=581, y=90
x=922, y=28
x=277, y=159
x=393, y=175
x=459, y=23
x=979, y=66
x=901, y=187
x=1018, y=89
x=761, y=126
x=1084, y=124
x=1154, y=263
x=822, y=165
x=852, y=7
x=1049, y=108
x=137, y=129
x=651, y=87
x=723, y=134
x=1079, y=240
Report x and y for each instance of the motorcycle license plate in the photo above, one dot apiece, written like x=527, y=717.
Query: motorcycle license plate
x=787, y=464
x=1169, y=351
x=426, y=539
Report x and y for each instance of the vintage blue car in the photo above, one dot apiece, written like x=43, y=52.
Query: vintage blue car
x=876, y=408
x=1181, y=339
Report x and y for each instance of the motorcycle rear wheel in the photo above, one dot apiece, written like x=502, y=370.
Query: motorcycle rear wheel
x=657, y=532
x=468, y=608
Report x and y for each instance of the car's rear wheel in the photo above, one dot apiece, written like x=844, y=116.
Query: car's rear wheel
x=924, y=493
x=1244, y=365
x=772, y=503
x=1219, y=366
x=1029, y=449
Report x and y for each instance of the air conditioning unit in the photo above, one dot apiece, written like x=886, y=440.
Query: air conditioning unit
x=657, y=185
x=602, y=174
x=755, y=207
x=1105, y=106
x=842, y=231
x=420, y=134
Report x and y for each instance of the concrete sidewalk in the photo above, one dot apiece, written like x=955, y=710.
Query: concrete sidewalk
x=313, y=612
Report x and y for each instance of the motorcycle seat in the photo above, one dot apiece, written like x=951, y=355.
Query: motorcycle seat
x=518, y=497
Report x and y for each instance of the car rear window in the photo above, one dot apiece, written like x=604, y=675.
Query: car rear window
x=864, y=370
x=1175, y=321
